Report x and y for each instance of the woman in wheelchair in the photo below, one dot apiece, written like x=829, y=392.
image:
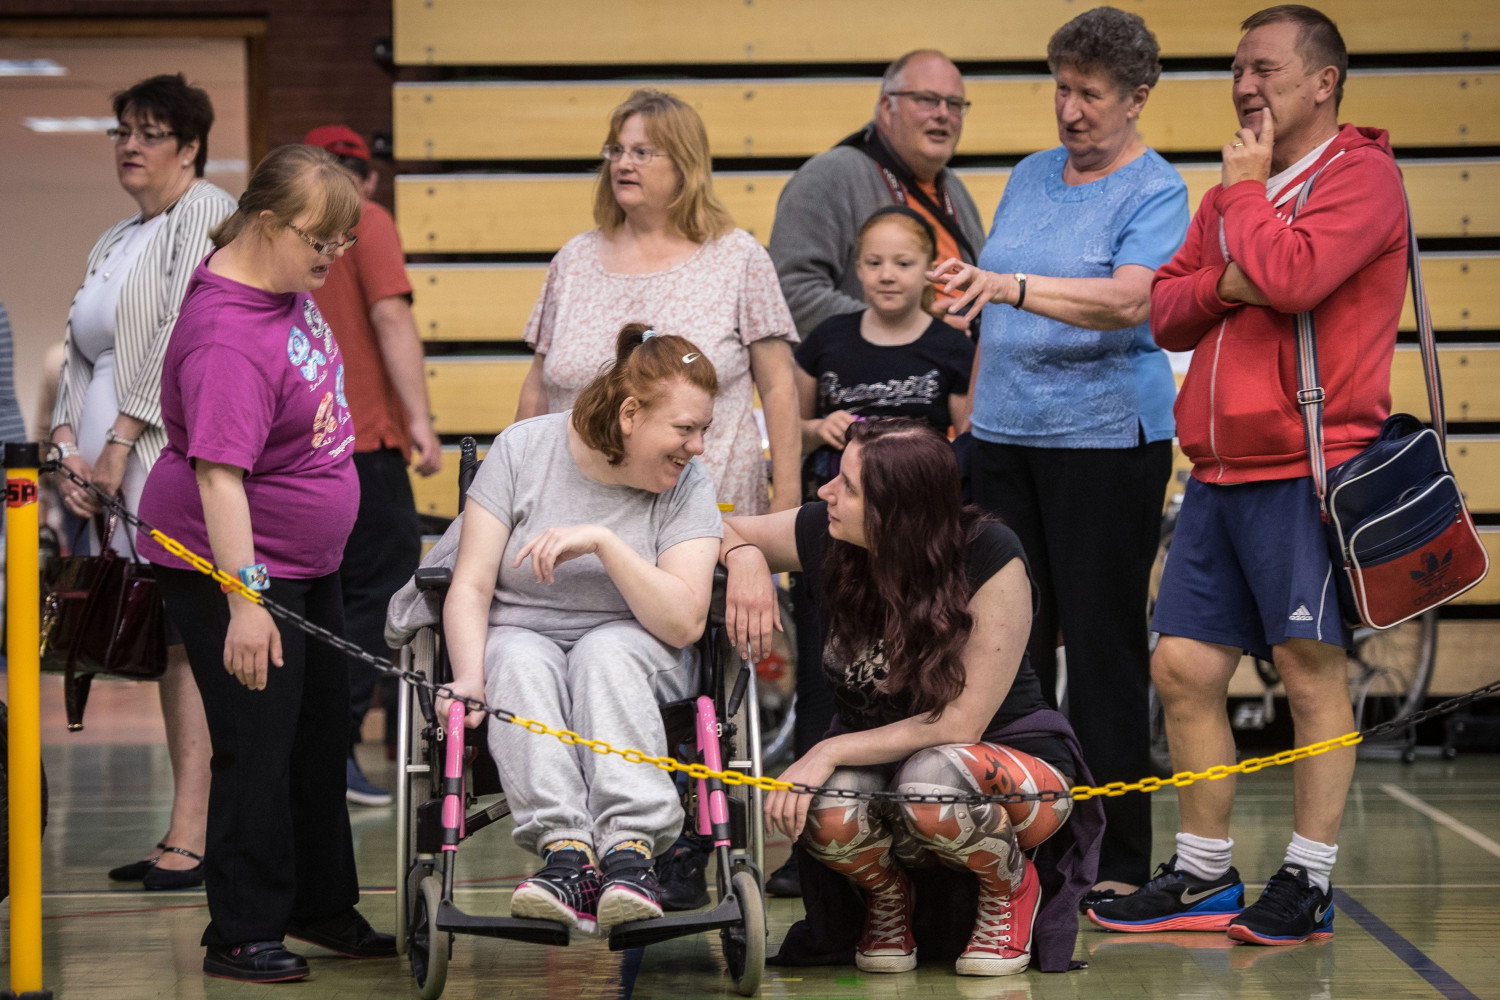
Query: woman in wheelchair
x=927, y=607
x=583, y=577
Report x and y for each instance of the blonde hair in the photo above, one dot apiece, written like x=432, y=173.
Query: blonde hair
x=675, y=129
x=643, y=366
x=288, y=182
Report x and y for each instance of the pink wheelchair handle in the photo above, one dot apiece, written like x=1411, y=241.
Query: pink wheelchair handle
x=713, y=804
x=453, y=776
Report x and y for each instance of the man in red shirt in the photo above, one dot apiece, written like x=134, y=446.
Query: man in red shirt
x=1250, y=569
x=367, y=301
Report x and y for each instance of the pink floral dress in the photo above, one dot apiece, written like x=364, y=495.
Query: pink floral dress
x=723, y=298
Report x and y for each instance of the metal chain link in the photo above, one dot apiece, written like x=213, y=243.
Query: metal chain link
x=1078, y=793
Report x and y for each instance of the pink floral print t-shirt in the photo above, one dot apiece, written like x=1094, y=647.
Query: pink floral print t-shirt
x=723, y=298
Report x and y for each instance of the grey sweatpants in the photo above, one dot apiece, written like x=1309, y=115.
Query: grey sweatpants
x=605, y=686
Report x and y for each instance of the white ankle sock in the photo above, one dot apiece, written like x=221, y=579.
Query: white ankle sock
x=1317, y=859
x=1205, y=857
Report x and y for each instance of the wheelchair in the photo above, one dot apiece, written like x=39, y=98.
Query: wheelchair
x=444, y=771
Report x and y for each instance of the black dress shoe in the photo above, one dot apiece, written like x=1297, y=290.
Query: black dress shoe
x=171, y=878
x=347, y=933
x=680, y=873
x=786, y=881
x=136, y=870
x=255, y=962
x=1094, y=897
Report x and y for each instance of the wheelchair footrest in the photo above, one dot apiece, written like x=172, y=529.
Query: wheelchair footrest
x=643, y=932
x=451, y=918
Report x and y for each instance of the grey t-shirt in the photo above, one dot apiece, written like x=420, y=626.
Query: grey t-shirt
x=531, y=483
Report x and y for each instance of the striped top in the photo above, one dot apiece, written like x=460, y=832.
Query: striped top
x=148, y=307
x=12, y=426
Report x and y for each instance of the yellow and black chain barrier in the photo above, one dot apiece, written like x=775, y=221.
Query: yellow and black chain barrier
x=1078, y=793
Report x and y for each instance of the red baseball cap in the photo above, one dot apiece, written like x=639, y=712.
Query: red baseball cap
x=340, y=140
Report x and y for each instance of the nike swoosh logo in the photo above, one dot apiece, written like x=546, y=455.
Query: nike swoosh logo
x=1189, y=897
x=1319, y=914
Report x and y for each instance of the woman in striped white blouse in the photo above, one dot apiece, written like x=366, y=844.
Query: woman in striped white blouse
x=107, y=422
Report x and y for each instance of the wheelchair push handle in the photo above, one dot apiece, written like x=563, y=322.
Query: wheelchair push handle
x=468, y=465
x=453, y=777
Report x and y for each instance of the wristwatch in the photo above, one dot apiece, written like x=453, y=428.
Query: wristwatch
x=110, y=437
x=1021, y=284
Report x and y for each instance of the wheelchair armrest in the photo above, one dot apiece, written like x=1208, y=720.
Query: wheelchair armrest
x=434, y=578
x=716, y=603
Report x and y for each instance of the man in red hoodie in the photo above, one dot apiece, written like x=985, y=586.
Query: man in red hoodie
x=1249, y=569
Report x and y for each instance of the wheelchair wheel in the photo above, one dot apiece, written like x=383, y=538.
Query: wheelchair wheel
x=745, y=942
x=428, y=947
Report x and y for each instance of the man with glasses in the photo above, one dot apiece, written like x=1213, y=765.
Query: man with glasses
x=900, y=157
x=367, y=301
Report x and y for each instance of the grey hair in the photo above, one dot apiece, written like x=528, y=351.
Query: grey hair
x=1109, y=39
x=893, y=73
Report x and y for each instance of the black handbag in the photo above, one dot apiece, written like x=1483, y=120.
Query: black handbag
x=101, y=615
x=1396, y=521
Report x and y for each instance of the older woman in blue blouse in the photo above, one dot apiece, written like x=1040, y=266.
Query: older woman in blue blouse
x=1073, y=400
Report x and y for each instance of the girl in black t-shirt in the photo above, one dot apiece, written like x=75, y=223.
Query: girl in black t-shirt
x=927, y=607
x=893, y=359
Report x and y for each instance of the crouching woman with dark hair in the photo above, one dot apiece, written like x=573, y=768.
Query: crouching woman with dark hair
x=584, y=571
x=927, y=606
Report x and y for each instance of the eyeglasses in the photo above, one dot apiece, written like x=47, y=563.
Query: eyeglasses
x=122, y=135
x=930, y=102
x=326, y=249
x=635, y=155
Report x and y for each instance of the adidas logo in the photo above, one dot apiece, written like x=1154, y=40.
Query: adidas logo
x=1300, y=615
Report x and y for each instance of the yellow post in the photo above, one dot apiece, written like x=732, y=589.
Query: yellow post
x=23, y=642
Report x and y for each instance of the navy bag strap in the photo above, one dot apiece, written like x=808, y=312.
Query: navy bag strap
x=1310, y=394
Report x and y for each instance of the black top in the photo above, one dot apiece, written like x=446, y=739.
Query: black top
x=860, y=704
x=873, y=381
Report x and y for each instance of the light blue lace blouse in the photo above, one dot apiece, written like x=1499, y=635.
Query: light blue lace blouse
x=1050, y=385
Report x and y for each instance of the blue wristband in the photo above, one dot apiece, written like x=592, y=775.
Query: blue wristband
x=256, y=577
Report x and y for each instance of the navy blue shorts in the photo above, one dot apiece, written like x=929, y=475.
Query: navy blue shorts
x=1249, y=567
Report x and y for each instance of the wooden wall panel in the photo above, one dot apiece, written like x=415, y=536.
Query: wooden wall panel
x=665, y=32
x=1188, y=112
x=531, y=213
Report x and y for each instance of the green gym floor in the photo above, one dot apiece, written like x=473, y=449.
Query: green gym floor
x=1418, y=877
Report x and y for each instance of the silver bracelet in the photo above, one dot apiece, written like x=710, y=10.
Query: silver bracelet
x=64, y=449
x=110, y=437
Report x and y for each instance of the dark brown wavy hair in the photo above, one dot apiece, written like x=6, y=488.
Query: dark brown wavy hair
x=641, y=368
x=909, y=590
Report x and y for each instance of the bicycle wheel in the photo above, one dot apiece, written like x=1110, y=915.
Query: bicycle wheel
x=1390, y=670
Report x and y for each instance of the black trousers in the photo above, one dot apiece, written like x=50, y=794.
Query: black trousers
x=1089, y=520
x=279, y=846
x=381, y=555
x=815, y=707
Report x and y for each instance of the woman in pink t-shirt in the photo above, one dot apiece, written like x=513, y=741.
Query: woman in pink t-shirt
x=666, y=253
x=258, y=472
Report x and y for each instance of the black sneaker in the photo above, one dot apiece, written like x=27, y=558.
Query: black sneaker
x=1291, y=910
x=787, y=880
x=1174, y=901
x=629, y=890
x=566, y=890
x=683, y=878
x=255, y=962
x=347, y=933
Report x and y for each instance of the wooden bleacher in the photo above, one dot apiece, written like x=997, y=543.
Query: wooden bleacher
x=747, y=118
x=537, y=213
x=792, y=32
x=779, y=80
